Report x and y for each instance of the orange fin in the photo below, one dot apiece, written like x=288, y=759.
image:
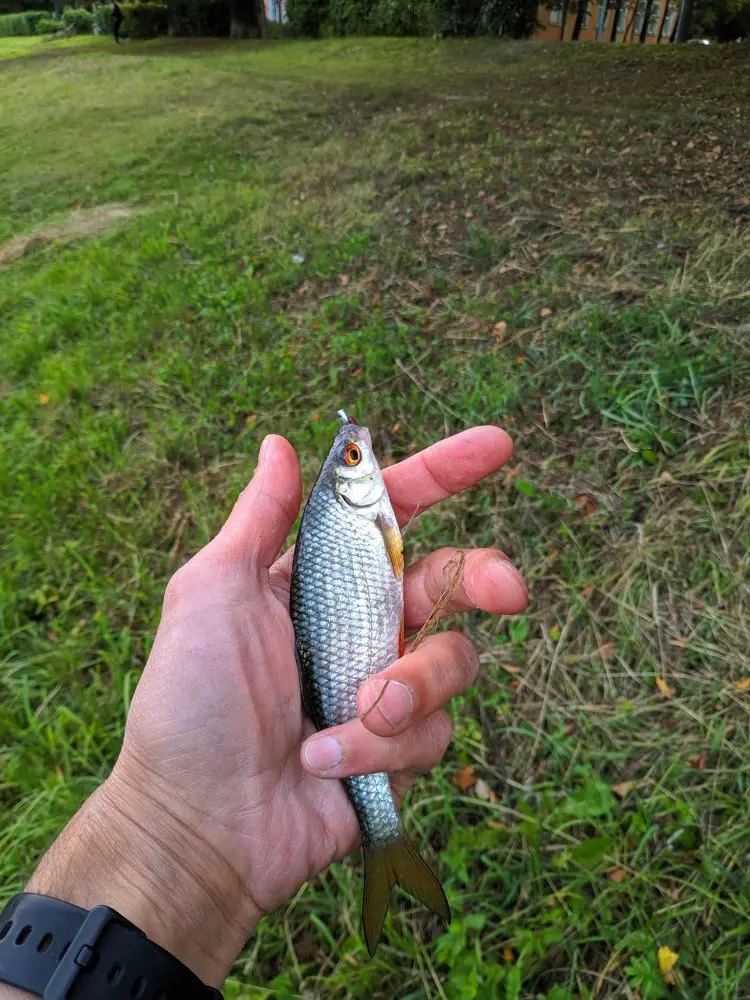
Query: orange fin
x=394, y=545
x=397, y=864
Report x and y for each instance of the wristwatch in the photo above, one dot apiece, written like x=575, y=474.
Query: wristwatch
x=61, y=952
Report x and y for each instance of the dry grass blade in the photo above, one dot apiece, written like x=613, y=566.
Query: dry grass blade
x=442, y=603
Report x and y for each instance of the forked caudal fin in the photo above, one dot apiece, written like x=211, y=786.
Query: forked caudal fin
x=399, y=863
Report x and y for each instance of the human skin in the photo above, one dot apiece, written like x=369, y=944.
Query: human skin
x=223, y=799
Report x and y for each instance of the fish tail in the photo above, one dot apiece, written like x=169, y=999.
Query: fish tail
x=398, y=863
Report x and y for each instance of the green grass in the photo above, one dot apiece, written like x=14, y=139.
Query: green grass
x=554, y=238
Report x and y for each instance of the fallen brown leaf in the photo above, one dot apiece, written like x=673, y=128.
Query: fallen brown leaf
x=743, y=685
x=622, y=788
x=465, y=778
x=616, y=874
x=666, y=690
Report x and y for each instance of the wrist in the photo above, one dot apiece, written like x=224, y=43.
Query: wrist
x=127, y=850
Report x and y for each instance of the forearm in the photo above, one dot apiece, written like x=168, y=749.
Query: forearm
x=124, y=850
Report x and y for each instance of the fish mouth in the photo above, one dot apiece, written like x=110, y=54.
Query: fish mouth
x=359, y=506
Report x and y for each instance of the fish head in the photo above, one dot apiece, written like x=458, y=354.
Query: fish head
x=354, y=473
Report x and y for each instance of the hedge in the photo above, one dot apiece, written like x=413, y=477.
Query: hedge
x=79, y=19
x=12, y=25
x=139, y=20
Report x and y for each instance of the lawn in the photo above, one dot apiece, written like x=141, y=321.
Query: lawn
x=205, y=241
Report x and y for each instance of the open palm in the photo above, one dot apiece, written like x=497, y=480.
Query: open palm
x=216, y=725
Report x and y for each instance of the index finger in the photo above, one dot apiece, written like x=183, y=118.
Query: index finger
x=445, y=468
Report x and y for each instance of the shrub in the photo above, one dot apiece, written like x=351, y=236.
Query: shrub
x=199, y=17
x=517, y=18
x=12, y=25
x=144, y=20
x=80, y=20
x=103, y=19
x=308, y=17
x=47, y=26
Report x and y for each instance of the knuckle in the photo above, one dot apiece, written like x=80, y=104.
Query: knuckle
x=466, y=657
x=178, y=588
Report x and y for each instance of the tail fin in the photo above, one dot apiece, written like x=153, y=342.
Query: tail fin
x=398, y=863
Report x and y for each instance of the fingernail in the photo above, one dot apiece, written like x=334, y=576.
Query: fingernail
x=263, y=448
x=324, y=753
x=396, y=703
x=505, y=570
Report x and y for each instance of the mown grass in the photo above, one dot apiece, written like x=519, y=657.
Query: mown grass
x=553, y=238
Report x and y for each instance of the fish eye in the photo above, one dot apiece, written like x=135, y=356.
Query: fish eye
x=352, y=454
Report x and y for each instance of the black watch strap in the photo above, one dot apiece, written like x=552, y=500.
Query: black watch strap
x=61, y=952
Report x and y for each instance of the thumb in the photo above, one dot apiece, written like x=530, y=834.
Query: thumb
x=266, y=509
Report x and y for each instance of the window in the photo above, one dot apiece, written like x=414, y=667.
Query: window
x=638, y=21
x=654, y=18
x=585, y=22
x=555, y=16
x=622, y=18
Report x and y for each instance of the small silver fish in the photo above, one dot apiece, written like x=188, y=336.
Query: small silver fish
x=347, y=606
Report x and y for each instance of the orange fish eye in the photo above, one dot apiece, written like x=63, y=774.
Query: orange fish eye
x=352, y=455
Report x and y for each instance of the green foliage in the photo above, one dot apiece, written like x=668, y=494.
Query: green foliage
x=139, y=20
x=47, y=26
x=313, y=18
x=307, y=18
x=103, y=19
x=199, y=17
x=26, y=23
x=142, y=366
x=144, y=20
x=515, y=18
x=79, y=19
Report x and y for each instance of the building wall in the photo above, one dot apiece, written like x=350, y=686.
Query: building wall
x=550, y=21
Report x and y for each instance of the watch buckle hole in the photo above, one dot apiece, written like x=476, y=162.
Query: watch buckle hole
x=115, y=974
x=23, y=934
x=45, y=942
x=139, y=986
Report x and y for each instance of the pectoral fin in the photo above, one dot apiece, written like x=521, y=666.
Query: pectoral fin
x=394, y=545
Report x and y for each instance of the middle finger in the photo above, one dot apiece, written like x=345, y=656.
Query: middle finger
x=489, y=582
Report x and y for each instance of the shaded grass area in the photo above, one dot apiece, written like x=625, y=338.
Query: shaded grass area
x=433, y=234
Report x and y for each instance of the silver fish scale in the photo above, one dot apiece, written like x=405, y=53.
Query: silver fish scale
x=346, y=607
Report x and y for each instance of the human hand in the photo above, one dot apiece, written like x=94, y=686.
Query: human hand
x=225, y=815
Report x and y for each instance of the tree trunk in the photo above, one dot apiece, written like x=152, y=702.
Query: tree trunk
x=564, y=19
x=615, y=19
x=685, y=21
x=663, y=21
x=630, y=26
x=646, y=17
x=582, y=4
x=245, y=18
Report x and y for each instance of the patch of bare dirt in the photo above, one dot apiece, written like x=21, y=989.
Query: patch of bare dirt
x=79, y=224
